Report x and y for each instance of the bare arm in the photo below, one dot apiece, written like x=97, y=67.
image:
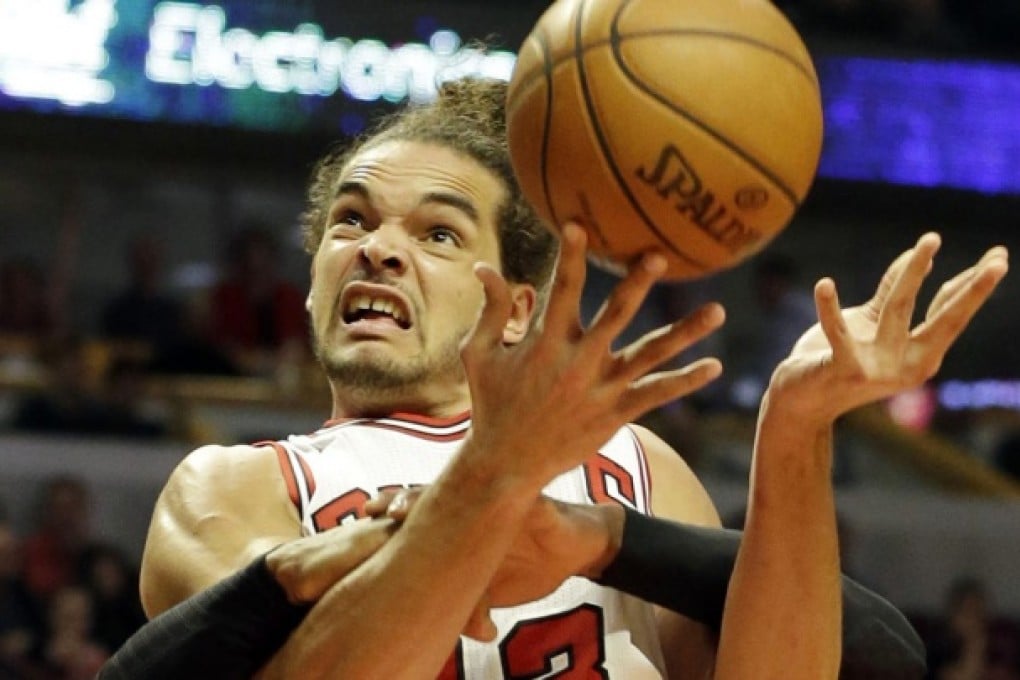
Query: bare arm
x=221, y=506
x=783, y=608
x=224, y=507
x=210, y=521
x=783, y=602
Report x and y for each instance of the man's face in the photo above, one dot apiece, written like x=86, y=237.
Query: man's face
x=393, y=286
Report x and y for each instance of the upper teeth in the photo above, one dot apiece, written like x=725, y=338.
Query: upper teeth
x=365, y=303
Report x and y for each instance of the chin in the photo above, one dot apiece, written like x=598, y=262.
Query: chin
x=371, y=372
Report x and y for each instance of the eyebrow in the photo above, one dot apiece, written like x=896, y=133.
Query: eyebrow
x=453, y=200
x=349, y=187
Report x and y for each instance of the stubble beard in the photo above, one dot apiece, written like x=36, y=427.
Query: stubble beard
x=383, y=377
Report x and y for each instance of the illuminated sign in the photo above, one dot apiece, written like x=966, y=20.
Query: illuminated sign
x=191, y=44
x=49, y=50
x=258, y=64
x=324, y=67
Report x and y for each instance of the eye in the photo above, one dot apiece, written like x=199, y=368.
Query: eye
x=347, y=221
x=443, y=235
x=351, y=218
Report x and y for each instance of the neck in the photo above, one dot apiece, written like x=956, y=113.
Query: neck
x=373, y=403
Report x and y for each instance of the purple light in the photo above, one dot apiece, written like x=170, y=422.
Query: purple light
x=925, y=123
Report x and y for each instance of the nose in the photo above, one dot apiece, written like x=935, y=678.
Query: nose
x=382, y=250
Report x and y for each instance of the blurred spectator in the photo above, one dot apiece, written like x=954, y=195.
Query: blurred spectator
x=784, y=311
x=123, y=398
x=70, y=402
x=193, y=351
x=143, y=311
x=71, y=652
x=255, y=312
x=25, y=307
x=81, y=398
x=63, y=532
x=788, y=310
x=112, y=581
x=971, y=644
x=20, y=623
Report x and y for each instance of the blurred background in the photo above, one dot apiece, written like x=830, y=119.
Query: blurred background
x=153, y=157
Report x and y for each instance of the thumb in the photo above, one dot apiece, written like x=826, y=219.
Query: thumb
x=480, y=625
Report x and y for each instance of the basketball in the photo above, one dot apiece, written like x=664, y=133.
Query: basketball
x=692, y=127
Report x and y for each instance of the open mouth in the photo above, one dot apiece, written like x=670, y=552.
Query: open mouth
x=368, y=307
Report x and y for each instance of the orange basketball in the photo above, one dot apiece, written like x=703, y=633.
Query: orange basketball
x=688, y=126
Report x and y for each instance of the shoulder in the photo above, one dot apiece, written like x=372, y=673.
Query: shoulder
x=223, y=474
x=213, y=461
x=677, y=493
x=224, y=484
x=222, y=507
x=665, y=463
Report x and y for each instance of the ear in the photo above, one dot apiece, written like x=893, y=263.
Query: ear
x=311, y=287
x=525, y=302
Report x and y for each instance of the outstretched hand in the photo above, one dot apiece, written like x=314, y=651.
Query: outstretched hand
x=865, y=353
x=549, y=402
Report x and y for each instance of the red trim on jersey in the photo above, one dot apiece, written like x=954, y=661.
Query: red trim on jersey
x=431, y=421
x=430, y=436
x=416, y=418
x=307, y=472
x=288, y=473
x=283, y=458
x=646, y=478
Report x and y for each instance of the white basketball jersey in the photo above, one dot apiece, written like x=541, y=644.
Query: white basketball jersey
x=582, y=630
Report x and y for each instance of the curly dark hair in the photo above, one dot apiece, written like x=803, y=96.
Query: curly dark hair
x=467, y=117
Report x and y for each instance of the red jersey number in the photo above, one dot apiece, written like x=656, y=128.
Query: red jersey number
x=571, y=642
x=608, y=481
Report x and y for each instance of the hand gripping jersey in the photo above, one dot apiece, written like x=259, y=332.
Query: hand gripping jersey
x=582, y=630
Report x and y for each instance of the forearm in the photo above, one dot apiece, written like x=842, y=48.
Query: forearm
x=687, y=569
x=783, y=602
x=398, y=615
x=227, y=632
x=240, y=625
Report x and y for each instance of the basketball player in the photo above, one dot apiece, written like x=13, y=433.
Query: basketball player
x=414, y=231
